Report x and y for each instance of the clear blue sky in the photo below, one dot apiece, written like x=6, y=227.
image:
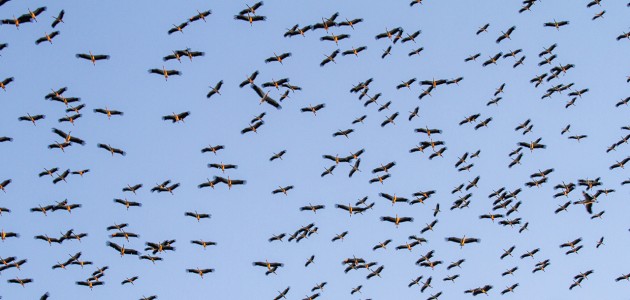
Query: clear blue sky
x=134, y=35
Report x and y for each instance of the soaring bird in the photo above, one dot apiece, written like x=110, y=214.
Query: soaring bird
x=164, y=72
x=397, y=220
x=462, y=241
x=47, y=37
x=174, y=118
x=556, y=24
x=200, y=272
x=91, y=57
x=278, y=58
x=177, y=28
x=111, y=149
x=58, y=19
x=200, y=16
x=506, y=34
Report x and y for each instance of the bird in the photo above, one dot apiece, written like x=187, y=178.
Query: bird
x=278, y=58
x=492, y=59
x=90, y=283
x=313, y=109
x=462, y=241
x=506, y=34
x=472, y=57
x=197, y=216
x=91, y=57
x=267, y=264
x=109, y=113
x=264, y=97
x=483, y=28
x=313, y=208
x=19, y=281
x=229, y=182
x=330, y=58
x=200, y=16
x=282, y=190
x=31, y=119
x=200, y=272
x=350, y=23
x=164, y=72
x=556, y=24
x=215, y=89
x=282, y=294
x=222, y=166
x=174, y=118
x=58, y=19
x=47, y=37
x=25, y=18
x=354, y=51
x=133, y=189
x=5, y=82
x=177, y=28
x=396, y=220
x=250, y=79
x=129, y=280
x=334, y=38
x=111, y=149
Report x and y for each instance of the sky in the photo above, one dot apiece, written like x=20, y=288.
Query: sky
x=134, y=35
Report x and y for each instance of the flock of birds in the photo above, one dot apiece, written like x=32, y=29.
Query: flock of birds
x=503, y=206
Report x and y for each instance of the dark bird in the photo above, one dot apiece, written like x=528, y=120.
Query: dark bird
x=91, y=57
x=164, y=72
x=277, y=155
x=47, y=38
x=197, y=216
x=200, y=272
x=472, y=57
x=334, y=38
x=283, y=190
x=250, y=80
x=58, y=19
x=67, y=137
x=353, y=51
x=129, y=280
x=174, y=118
x=620, y=164
x=462, y=241
x=31, y=119
x=249, y=18
x=109, y=113
x=313, y=109
x=350, y=23
x=313, y=208
x=411, y=37
x=556, y=24
x=253, y=127
x=397, y=220
x=200, y=16
x=264, y=97
x=492, y=59
x=111, y=149
x=483, y=28
x=329, y=58
x=177, y=28
x=5, y=82
x=121, y=249
x=215, y=89
x=251, y=9
x=343, y=133
x=278, y=58
x=506, y=34
x=625, y=35
x=309, y=261
x=133, y=188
